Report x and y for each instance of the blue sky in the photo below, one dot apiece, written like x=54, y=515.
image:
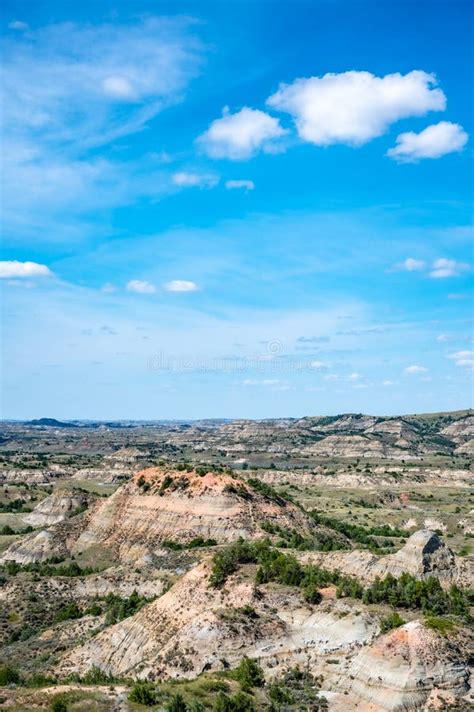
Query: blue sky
x=236, y=209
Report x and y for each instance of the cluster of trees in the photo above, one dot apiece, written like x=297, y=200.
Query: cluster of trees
x=427, y=595
x=274, y=565
x=298, y=688
x=268, y=491
x=7, y=530
x=115, y=608
x=248, y=674
x=15, y=505
x=197, y=543
x=292, y=539
x=354, y=532
x=118, y=608
x=52, y=567
x=403, y=592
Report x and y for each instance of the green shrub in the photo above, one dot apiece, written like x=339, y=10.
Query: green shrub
x=144, y=693
x=9, y=676
x=393, y=620
x=58, y=704
x=120, y=608
x=6, y=530
x=176, y=704
x=41, y=680
x=442, y=625
x=311, y=594
x=240, y=702
x=96, y=676
x=249, y=674
x=69, y=612
x=166, y=482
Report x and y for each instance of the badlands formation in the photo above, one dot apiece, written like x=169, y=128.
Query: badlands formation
x=354, y=569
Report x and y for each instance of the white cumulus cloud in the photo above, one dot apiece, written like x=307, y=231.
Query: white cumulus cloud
x=354, y=107
x=183, y=179
x=318, y=365
x=241, y=135
x=354, y=376
x=443, y=268
x=433, y=142
x=242, y=184
x=181, y=285
x=12, y=269
x=140, y=286
x=463, y=358
x=416, y=369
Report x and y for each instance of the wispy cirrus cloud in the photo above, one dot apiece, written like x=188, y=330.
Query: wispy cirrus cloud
x=71, y=83
x=141, y=286
x=71, y=88
x=239, y=184
x=185, y=179
x=443, y=268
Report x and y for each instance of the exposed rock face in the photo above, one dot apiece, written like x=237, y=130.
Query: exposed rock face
x=39, y=546
x=192, y=627
x=119, y=580
x=355, y=446
x=466, y=449
x=460, y=431
x=400, y=669
x=57, y=507
x=43, y=545
x=159, y=505
x=425, y=554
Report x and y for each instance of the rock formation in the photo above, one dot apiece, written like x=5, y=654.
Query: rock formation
x=57, y=507
x=160, y=505
x=193, y=627
x=424, y=554
x=400, y=669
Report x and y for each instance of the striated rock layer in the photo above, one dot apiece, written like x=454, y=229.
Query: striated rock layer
x=400, y=669
x=56, y=508
x=192, y=628
x=425, y=554
x=159, y=505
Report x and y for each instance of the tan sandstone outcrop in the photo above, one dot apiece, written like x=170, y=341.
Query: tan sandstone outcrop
x=56, y=508
x=159, y=505
x=401, y=669
x=424, y=554
x=192, y=627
